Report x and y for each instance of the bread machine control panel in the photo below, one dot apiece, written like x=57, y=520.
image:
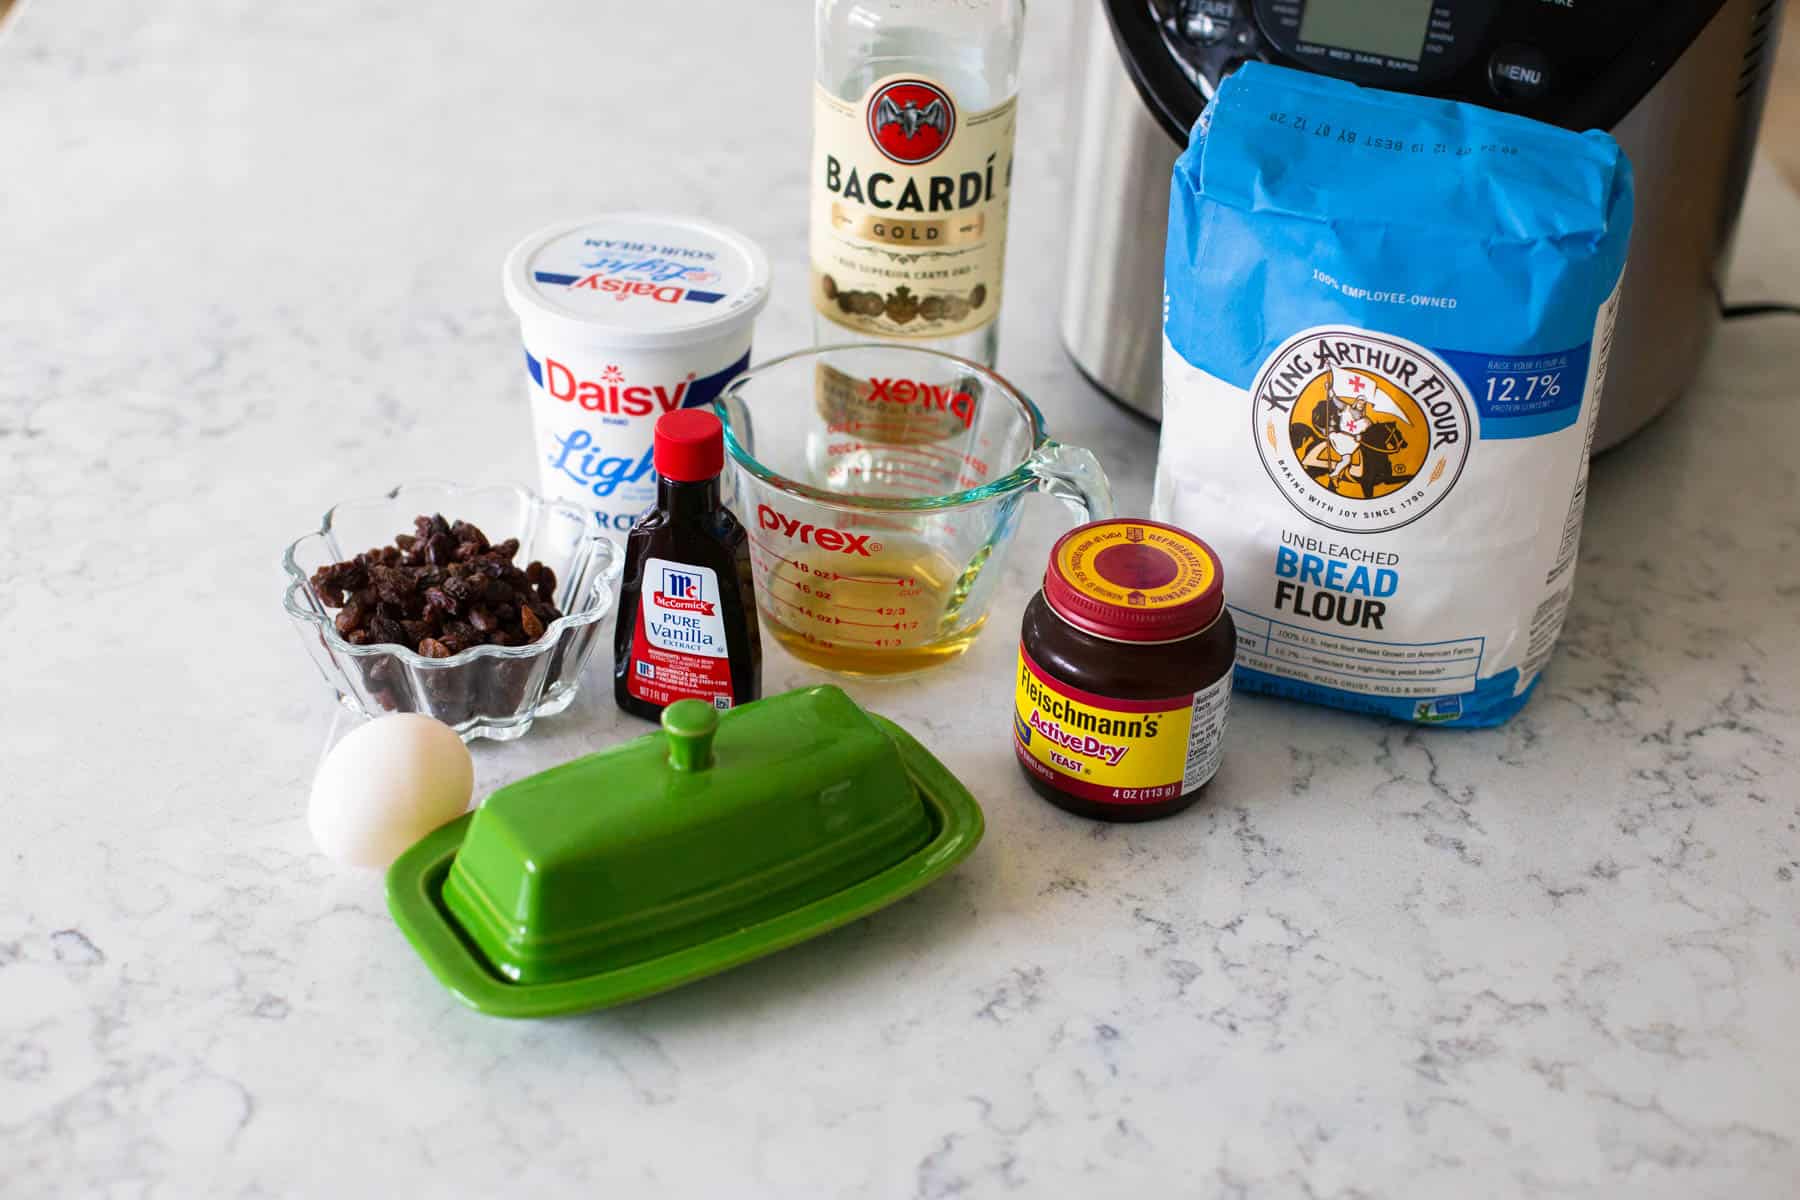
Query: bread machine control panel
x=1526, y=56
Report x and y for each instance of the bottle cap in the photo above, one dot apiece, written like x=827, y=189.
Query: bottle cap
x=1134, y=581
x=690, y=445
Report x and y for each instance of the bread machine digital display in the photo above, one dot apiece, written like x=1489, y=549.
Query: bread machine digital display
x=1395, y=29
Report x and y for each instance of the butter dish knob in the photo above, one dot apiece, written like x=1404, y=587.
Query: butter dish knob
x=690, y=725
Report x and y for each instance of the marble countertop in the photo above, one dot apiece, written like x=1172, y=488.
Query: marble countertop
x=251, y=258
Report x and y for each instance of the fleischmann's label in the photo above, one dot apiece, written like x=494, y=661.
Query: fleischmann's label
x=1117, y=751
x=678, y=649
x=909, y=209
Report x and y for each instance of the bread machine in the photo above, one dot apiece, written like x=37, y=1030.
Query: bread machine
x=1680, y=85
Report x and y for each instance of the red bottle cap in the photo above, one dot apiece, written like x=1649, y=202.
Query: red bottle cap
x=690, y=445
x=1134, y=581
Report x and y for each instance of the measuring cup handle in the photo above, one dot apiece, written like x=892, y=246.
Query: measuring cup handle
x=1074, y=476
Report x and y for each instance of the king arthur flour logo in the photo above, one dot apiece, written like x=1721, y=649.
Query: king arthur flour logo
x=1361, y=432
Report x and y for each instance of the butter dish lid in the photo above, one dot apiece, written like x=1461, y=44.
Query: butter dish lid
x=637, y=279
x=679, y=835
x=680, y=855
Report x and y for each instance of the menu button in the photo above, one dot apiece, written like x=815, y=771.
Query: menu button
x=1519, y=73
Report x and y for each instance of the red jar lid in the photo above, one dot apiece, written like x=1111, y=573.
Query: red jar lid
x=1134, y=581
x=690, y=445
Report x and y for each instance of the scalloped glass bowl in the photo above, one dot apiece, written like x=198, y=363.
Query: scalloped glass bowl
x=487, y=691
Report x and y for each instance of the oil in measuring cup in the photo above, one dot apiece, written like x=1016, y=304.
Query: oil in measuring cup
x=896, y=611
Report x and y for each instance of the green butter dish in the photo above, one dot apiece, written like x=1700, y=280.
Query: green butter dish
x=683, y=853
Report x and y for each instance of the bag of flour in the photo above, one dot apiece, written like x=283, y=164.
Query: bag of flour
x=1387, y=323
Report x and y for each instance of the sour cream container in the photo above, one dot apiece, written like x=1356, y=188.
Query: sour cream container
x=625, y=317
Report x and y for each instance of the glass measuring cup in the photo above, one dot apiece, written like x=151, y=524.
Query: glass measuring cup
x=880, y=483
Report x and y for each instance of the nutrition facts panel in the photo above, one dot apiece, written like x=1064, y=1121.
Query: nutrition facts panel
x=1360, y=664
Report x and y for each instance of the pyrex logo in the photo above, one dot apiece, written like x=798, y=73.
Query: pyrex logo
x=612, y=393
x=836, y=540
x=958, y=403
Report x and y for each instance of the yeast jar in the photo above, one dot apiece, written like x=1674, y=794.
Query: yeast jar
x=1124, y=678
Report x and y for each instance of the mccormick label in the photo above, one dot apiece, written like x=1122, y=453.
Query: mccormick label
x=1116, y=751
x=909, y=209
x=678, y=649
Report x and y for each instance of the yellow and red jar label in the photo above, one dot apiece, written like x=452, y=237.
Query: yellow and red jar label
x=1116, y=751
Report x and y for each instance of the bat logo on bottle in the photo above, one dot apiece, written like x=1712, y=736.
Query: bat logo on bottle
x=910, y=120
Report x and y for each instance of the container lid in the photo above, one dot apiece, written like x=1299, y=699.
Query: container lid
x=1134, y=581
x=689, y=445
x=638, y=279
x=716, y=823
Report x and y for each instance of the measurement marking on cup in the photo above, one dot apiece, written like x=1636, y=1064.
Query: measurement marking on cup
x=872, y=580
x=840, y=474
x=934, y=455
x=767, y=549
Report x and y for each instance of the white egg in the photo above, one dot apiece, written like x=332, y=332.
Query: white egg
x=386, y=785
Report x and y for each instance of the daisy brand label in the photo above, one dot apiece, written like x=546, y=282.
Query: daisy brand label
x=678, y=650
x=909, y=198
x=1116, y=751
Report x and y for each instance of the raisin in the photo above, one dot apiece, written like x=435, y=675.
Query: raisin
x=483, y=620
x=432, y=648
x=393, y=585
x=358, y=637
x=531, y=624
x=469, y=534
x=325, y=585
x=507, y=549
x=441, y=550
x=386, y=630
x=415, y=632
x=439, y=600
x=350, y=618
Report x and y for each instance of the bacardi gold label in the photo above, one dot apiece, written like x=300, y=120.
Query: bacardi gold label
x=909, y=209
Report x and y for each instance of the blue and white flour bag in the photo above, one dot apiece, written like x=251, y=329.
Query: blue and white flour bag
x=1387, y=322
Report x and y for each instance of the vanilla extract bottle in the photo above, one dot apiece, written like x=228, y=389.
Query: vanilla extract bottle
x=914, y=106
x=687, y=626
